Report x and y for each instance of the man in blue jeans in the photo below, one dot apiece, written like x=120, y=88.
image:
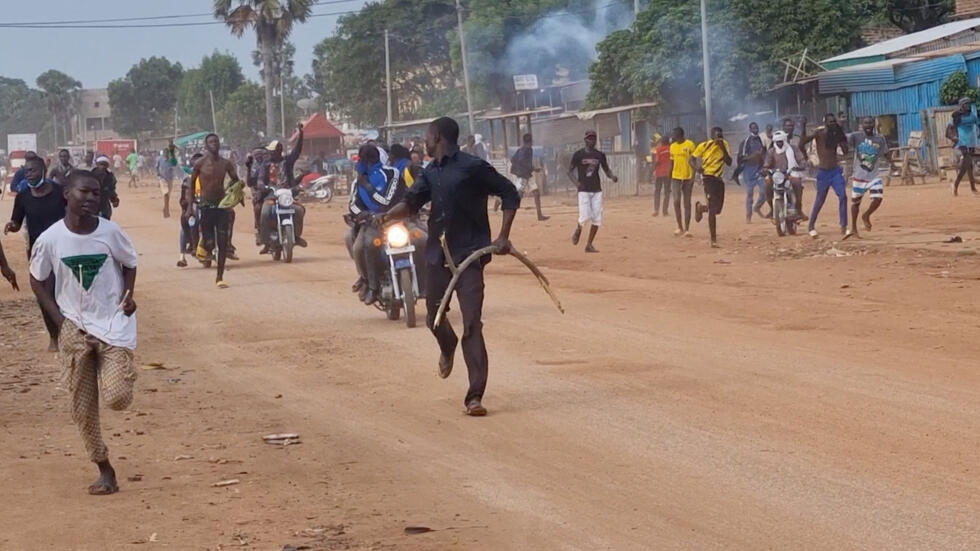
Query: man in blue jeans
x=751, y=154
x=828, y=139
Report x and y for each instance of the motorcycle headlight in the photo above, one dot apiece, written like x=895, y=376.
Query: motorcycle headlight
x=284, y=199
x=397, y=236
x=778, y=178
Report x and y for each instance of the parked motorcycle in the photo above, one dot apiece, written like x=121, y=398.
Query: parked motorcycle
x=784, y=211
x=283, y=241
x=319, y=189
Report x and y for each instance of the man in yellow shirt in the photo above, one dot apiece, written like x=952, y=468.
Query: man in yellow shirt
x=714, y=154
x=682, y=178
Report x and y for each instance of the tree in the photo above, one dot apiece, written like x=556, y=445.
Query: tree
x=915, y=15
x=272, y=21
x=22, y=108
x=145, y=98
x=60, y=95
x=219, y=74
x=349, y=67
x=956, y=86
x=284, y=78
x=242, y=117
x=659, y=57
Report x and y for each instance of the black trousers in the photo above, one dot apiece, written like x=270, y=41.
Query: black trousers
x=469, y=293
x=714, y=190
x=216, y=224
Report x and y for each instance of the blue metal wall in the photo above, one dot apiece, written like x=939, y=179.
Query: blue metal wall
x=907, y=103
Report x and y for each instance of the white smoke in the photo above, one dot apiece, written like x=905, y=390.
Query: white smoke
x=565, y=39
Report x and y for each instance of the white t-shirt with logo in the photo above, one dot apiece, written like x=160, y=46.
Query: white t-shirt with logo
x=89, y=280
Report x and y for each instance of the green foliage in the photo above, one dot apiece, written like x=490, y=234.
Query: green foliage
x=60, y=92
x=145, y=98
x=221, y=75
x=659, y=58
x=349, y=67
x=296, y=88
x=957, y=86
x=242, y=118
x=914, y=15
x=22, y=109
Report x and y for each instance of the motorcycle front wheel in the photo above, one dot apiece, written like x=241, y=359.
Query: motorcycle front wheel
x=408, y=291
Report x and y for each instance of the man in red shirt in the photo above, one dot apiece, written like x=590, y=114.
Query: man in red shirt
x=661, y=175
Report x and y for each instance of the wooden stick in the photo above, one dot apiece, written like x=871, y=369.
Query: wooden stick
x=476, y=255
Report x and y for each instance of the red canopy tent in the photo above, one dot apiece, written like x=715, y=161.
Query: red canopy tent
x=319, y=135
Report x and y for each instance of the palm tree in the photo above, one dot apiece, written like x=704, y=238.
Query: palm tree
x=272, y=21
x=60, y=91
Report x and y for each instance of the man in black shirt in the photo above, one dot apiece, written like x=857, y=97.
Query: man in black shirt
x=584, y=172
x=522, y=166
x=108, y=197
x=42, y=204
x=458, y=185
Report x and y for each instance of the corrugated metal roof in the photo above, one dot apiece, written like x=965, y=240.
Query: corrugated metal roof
x=930, y=69
x=909, y=41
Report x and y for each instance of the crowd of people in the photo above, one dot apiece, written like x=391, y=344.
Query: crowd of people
x=83, y=265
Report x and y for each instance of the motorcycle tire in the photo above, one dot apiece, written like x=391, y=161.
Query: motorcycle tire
x=289, y=241
x=324, y=194
x=408, y=291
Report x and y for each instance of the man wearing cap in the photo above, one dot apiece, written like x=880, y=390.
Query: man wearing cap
x=278, y=173
x=107, y=187
x=584, y=172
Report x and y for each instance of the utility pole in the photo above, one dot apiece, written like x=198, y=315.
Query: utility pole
x=282, y=105
x=707, y=68
x=388, y=121
x=214, y=121
x=466, y=73
x=636, y=8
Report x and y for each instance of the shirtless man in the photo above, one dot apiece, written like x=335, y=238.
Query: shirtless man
x=830, y=175
x=215, y=221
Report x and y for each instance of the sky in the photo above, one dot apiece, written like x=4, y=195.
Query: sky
x=97, y=56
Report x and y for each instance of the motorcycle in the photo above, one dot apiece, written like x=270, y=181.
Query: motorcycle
x=283, y=241
x=784, y=212
x=400, y=280
x=319, y=189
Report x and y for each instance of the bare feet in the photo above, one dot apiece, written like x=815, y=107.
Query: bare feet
x=590, y=249
x=53, y=344
x=867, y=221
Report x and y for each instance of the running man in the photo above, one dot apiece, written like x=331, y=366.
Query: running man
x=682, y=178
x=714, y=154
x=751, y=155
x=870, y=148
x=215, y=221
x=132, y=160
x=42, y=204
x=94, y=264
x=59, y=173
x=522, y=166
x=661, y=175
x=584, y=172
x=458, y=186
x=167, y=172
x=963, y=133
x=828, y=138
x=107, y=187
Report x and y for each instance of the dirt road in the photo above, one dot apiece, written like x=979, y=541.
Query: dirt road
x=772, y=394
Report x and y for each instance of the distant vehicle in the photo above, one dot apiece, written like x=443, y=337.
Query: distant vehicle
x=21, y=142
x=15, y=161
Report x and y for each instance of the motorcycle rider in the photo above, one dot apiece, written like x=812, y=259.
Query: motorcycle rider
x=278, y=173
x=376, y=187
x=788, y=158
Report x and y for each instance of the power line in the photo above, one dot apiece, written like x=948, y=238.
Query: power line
x=56, y=24
x=143, y=25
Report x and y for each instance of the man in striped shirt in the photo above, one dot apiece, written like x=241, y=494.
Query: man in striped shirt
x=714, y=155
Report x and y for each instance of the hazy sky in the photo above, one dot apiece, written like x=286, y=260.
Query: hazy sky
x=96, y=56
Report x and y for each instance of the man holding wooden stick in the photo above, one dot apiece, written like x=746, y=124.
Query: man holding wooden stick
x=458, y=185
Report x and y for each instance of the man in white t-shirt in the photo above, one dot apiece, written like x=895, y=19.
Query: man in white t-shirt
x=94, y=265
